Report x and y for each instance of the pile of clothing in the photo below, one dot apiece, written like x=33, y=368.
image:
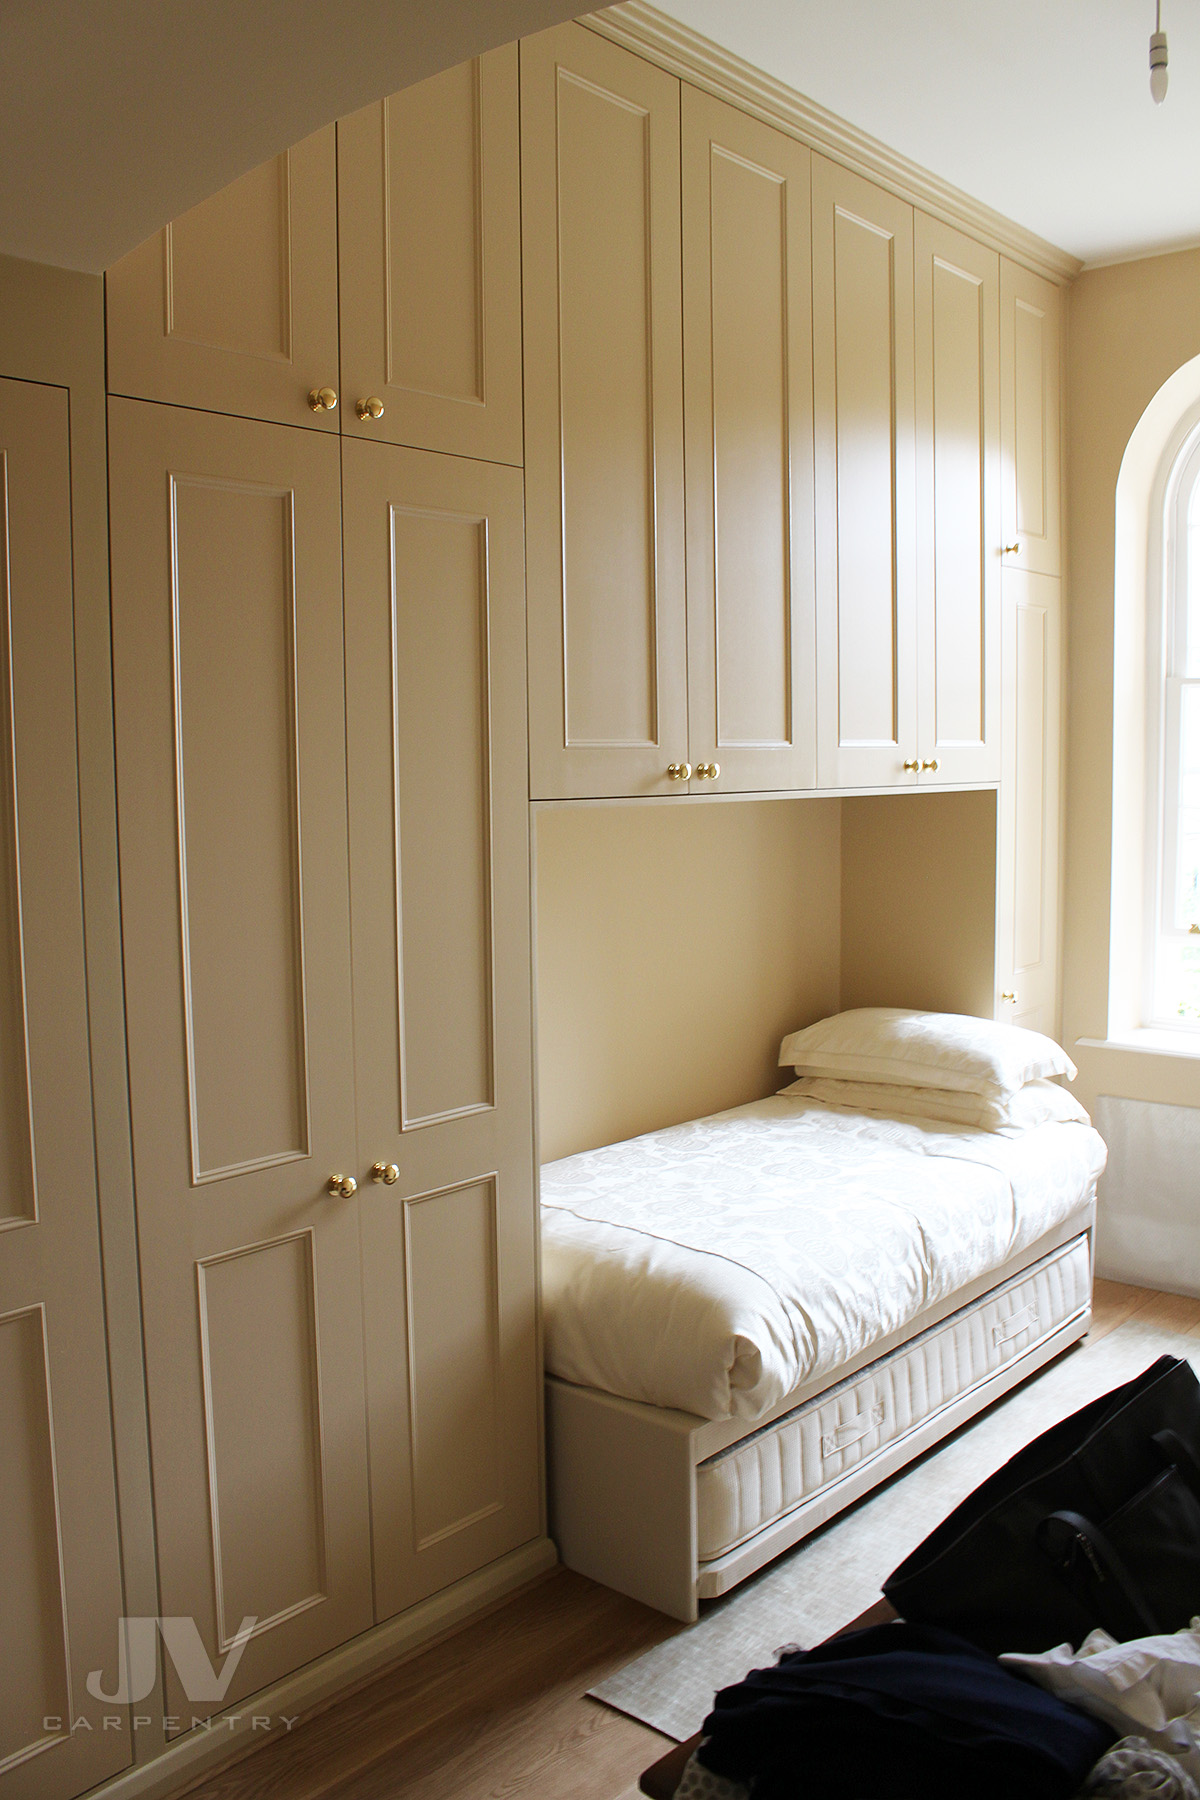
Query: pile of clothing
x=916, y=1713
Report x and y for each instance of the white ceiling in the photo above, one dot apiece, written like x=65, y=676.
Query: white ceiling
x=1041, y=108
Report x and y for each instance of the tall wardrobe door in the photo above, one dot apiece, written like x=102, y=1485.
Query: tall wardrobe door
x=1028, y=857
x=866, y=506
x=440, y=883
x=603, y=417
x=1031, y=402
x=59, y=1553
x=747, y=324
x=233, y=306
x=226, y=580
x=429, y=246
x=958, y=505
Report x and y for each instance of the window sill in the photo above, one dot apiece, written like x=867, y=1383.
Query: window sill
x=1148, y=1042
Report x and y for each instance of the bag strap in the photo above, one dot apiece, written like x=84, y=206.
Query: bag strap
x=1176, y=1451
x=1083, y=1557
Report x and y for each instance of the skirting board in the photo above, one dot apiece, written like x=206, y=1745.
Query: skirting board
x=346, y=1667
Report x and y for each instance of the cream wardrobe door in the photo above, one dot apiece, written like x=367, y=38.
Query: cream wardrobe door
x=603, y=418
x=865, y=486
x=59, y=1554
x=1028, y=855
x=429, y=245
x=226, y=578
x=958, y=505
x=440, y=882
x=1031, y=415
x=747, y=326
x=233, y=306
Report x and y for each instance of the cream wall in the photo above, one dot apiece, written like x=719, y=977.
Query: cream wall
x=677, y=944
x=919, y=901
x=1131, y=327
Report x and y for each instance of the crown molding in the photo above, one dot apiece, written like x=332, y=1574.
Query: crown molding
x=641, y=27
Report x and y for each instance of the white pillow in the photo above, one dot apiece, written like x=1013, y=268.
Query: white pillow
x=1037, y=1103
x=921, y=1049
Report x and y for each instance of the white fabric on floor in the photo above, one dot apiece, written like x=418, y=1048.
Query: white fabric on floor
x=1150, y=1686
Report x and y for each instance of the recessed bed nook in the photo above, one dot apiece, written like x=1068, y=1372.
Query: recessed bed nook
x=755, y=1315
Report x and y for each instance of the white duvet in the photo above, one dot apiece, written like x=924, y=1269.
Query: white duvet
x=717, y=1265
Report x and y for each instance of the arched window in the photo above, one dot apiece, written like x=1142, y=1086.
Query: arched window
x=1173, y=812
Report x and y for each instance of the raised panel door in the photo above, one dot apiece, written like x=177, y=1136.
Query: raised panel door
x=1031, y=419
x=1029, y=821
x=226, y=586
x=747, y=319
x=863, y=391
x=429, y=244
x=233, y=307
x=60, y=1571
x=440, y=882
x=603, y=418
x=958, y=505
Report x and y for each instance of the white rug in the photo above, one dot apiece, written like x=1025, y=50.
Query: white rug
x=831, y=1577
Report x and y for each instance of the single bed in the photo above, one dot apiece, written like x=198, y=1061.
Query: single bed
x=753, y=1318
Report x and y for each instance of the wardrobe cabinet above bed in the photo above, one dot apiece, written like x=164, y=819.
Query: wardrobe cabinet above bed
x=805, y=369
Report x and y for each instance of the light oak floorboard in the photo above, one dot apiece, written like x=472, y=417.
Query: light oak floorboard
x=499, y=1708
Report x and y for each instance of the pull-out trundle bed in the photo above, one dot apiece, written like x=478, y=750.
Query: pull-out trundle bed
x=754, y=1318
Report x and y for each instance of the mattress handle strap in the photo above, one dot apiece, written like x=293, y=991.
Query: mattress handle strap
x=853, y=1432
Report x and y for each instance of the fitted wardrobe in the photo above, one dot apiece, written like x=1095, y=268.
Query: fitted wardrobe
x=587, y=424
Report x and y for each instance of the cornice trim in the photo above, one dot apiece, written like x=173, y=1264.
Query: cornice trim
x=641, y=27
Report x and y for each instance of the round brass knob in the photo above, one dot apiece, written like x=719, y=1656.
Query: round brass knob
x=707, y=771
x=1012, y=549
x=322, y=399
x=678, y=771
x=388, y=1173
x=913, y=764
x=370, y=409
x=341, y=1187
x=931, y=765
x=1010, y=997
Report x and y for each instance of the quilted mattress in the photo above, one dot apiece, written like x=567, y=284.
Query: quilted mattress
x=762, y=1477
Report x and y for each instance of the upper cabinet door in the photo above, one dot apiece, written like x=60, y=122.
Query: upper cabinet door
x=429, y=250
x=747, y=323
x=865, y=482
x=233, y=307
x=958, y=505
x=1031, y=418
x=603, y=417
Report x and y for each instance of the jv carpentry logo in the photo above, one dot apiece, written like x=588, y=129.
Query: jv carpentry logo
x=204, y=1683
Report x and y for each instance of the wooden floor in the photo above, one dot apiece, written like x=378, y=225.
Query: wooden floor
x=499, y=1710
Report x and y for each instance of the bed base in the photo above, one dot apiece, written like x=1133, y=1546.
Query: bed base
x=623, y=1474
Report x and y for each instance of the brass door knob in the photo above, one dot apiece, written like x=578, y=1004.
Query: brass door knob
x=931, y=764
x=707, y=771
x=678, y=771
x=1011, y=549
x=322, y=399
x=1012, y=998
x=913, y=764
x=388, y=1173
x=369, y=409
x=341, y=1187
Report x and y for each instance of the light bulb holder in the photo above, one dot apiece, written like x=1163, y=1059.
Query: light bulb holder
x=1158, y=66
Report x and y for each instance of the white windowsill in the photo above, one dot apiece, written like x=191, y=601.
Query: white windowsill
x=1148, y=1041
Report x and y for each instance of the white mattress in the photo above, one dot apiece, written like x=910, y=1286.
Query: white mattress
x=766, y=1475
x=717, y=1265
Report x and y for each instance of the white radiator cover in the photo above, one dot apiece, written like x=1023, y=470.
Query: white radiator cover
x=1148, y=1215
